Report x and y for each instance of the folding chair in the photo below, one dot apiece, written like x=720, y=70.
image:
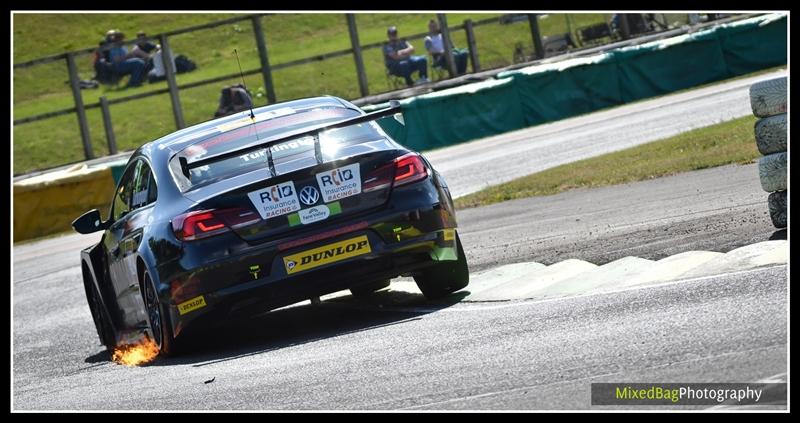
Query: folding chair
x=394, y=81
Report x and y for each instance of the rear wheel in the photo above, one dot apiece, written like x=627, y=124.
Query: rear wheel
x=445, y=277
x=101, y=321
x=368, y=289
x=158, y=319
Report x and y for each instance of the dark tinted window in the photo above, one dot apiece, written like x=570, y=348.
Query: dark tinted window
x=122, y=198
x=141, y=185
x=257, y=159
x=152, y=195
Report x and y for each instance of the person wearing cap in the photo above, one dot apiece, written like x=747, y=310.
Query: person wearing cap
x=142, y=43
x=399, y=59
x=123, y=62
x=435, y=46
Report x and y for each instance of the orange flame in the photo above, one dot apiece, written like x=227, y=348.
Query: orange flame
x=135, y=354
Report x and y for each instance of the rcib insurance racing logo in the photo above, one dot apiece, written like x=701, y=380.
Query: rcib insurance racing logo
x=340, y=182
x=275, y=200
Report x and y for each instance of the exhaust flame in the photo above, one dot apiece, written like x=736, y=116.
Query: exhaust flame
x=135, y=354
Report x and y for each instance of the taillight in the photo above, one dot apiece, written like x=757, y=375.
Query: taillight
x=380, y=178
x=410, y=168
x=205, y=223
x=403, y=170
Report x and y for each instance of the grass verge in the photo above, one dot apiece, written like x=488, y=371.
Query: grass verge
x=717, y=145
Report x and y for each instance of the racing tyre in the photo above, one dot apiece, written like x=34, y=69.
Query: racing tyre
x=444, y=278
x=102, y=321
x=364, y=291
x=771, y=134
x=777, y=208
x=158, y=319
x=768, y=98
x=772, y=171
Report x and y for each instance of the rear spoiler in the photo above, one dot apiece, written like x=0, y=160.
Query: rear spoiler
x=394, y=107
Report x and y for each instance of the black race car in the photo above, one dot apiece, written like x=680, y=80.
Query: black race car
x=262, y=209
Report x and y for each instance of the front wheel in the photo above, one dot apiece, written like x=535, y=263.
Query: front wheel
x=158, y=319
x=445, y=277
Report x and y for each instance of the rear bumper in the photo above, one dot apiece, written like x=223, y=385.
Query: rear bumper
x=414, y=230
x=279, y=289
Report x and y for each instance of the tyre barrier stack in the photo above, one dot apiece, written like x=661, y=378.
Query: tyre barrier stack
x=768, y=101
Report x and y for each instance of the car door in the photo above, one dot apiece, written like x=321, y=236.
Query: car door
x=141, y=208
x=120, y=209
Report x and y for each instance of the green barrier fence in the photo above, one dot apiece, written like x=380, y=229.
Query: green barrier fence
x=545, y=93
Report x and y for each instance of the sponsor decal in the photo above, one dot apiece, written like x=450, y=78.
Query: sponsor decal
x=449, y=234
x=340, y=182
x=275, y=200
x=191, y=305
x=254, y=270
x=326, y=254
x=314, y=214
x=309, y=195
x=289, y=145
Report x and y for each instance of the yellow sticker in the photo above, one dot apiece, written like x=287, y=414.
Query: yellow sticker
x=327, y=254
x=235, y=124
x=191, y=305
x=449, y=234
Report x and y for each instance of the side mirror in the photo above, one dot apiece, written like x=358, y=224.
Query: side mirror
x=89, y=222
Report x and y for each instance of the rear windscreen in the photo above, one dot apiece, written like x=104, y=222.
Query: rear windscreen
x=245, y=136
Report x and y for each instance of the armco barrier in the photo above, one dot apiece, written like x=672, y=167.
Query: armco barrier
x=47, y=204
x=752, y=45
x=461, y=114
x=563, y=89
x=545, y=93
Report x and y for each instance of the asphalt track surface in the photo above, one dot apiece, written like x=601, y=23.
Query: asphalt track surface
x=346, y=354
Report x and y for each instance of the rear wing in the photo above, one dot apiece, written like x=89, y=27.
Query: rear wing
x=394, y=108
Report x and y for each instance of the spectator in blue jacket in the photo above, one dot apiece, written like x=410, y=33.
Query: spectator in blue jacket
x=397, y=55
x=124, y=62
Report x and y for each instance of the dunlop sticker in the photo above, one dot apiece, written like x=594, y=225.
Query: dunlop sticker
x=191, y=305
x=330, y=253
x=449, y=234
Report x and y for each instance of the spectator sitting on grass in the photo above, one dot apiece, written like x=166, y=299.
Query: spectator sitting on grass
x=126, y=63
x=435, y=46
x=142, y=43
x=397, y=55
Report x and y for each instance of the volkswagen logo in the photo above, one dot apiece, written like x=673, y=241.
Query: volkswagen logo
x=309, y=195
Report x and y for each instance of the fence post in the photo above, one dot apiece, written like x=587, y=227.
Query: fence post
x=169, y=68
x=569, y=25
x=74, y=83
x=448, y=51
x=624, y=26
x=362, y=76
x=112, y=141
x=266, y=72
x=472, y=45
x=536, y=35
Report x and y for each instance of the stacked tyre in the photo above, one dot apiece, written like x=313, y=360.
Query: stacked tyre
x=768, y=101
